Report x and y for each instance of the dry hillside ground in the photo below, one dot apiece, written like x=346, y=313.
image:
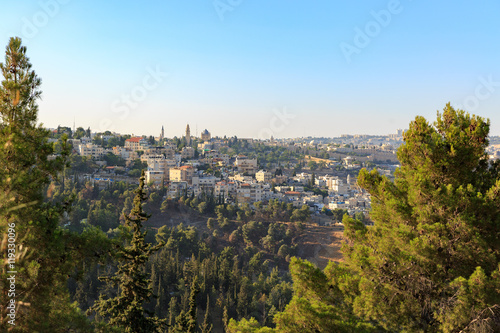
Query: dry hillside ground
x=318, y=244
x=321, y=244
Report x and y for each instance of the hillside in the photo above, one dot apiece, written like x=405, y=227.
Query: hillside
x=318, y=244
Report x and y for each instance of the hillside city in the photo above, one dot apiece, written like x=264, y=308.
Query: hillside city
x=318, y=172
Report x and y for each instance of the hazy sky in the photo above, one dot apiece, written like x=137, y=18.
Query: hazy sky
x=256, y=68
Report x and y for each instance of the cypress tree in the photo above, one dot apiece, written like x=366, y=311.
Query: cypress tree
x=206, y=327
x=172, y=310
x=225, y=319
x=127, y=309
x=192, y=313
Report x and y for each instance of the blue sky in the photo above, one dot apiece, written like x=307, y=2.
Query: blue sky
x=256, y=68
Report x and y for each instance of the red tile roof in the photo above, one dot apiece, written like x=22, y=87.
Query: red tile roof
x=136, y=139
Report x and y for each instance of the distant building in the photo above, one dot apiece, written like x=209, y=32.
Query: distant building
x=337, y=205
x=155, y=177
x=204, y=184
x=136, y=143
x=122, y=152
x=249, y=193
x=91, y=150
x=187, y=152
x=241, y=178
x=337, y=185
x=183, y=173
x=188, y=136
x=263, y=176
x=205, y=135
x=176, y=189
x=303, y=178
x=246, y=165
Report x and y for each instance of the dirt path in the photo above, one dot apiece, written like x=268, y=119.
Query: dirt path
x=321, y=244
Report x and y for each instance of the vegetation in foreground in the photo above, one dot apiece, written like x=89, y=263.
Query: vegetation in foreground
x=431, y=261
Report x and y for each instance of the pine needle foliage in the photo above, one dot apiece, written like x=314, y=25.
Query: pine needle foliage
x=43, y=247
x=431, y=262
x=126, y=310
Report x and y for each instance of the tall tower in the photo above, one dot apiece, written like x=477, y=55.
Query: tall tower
x=162, y=135
x=188, y=136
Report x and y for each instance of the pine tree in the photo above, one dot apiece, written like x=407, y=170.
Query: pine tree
x=181, y=323
x=321, y=301
x=127, y=309
x=42, y=246
x=431, y=261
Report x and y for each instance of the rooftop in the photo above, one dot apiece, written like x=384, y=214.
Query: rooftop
x=135, y=139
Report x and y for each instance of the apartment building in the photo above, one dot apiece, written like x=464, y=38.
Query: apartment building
x=249, y=193
x=91, y=150
x=263, y=176
x=204, y=184
x=157, y=178
x=183, y=173
x=136, y=143
x=167, y=151
x=246, y=165
x=187, y=152
x=337, y=185
x=225, y=188
x=176, y=189
x=122, y=152
x=213, y=154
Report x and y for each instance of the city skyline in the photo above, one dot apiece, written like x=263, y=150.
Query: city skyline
x=198, y=133
x=254, y=69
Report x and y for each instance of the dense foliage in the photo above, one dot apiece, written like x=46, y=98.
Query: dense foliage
x=431, y=261
x=41, y=253
x=126, y=310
